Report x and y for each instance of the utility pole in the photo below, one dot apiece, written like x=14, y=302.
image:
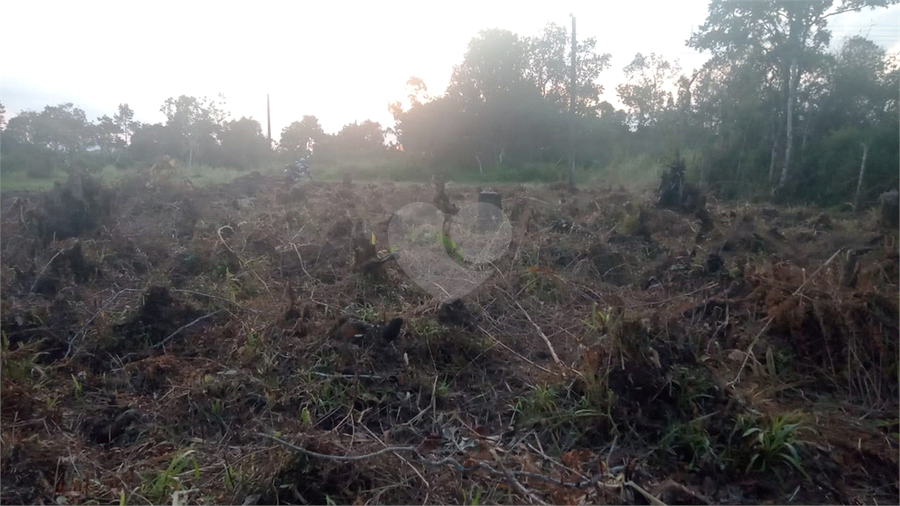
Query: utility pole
x=268, y=120
x=572, y=116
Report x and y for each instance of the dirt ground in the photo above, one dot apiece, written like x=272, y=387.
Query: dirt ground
x=167, y=343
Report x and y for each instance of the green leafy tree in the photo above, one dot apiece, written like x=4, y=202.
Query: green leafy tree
x=63, y=128
x=647, y=91
x=21, y=128
x=107, y=135
x=493, y=68
x=431, y=132
x=19, y=151
x=243, y=144
x=548, y=66
x=360, y=139
x=151, y=141
x=124, y=119
x=300, y=137
x=196, y=121
x=790, y=35
x=853, y=116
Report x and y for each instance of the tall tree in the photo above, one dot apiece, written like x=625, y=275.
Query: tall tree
x=107, y=135
x=791, y=34
x=300, y=137
x=548, y=67
x=63, y=128
x=150, y=141
x=364, y=138
x=243, y=144
x=195, y=120
x=22, y=128
x=493, y=67
x=646, y=92
x=124, y=119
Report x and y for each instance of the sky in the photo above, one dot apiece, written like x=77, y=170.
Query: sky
x=340, y=61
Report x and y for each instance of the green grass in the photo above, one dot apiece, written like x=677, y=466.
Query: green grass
x=20, y=181
x=198, y=175
x=638, y=171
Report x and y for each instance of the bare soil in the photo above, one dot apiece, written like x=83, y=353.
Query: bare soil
x=163, y=342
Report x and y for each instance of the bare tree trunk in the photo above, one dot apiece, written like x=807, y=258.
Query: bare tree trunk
x=789, y=127
x=776, y=133
x=805, y=133
x=862, y=171
x=772, y=161
x=572, y=92
x=741, y=161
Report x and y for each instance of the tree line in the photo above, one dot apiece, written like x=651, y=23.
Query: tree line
x=773, y=112
x=197, y=131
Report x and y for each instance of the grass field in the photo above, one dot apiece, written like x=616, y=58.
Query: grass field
x=640, y=171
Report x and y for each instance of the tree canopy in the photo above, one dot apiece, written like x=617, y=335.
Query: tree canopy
x=774, y=111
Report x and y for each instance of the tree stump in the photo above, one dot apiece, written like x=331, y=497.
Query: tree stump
x=489, y=216
x=890, y=209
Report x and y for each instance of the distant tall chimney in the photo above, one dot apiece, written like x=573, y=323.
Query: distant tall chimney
x=268, y=120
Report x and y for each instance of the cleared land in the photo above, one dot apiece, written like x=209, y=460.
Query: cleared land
x=160, y=338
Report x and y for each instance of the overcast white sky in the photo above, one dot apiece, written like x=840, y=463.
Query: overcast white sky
x=340, y=61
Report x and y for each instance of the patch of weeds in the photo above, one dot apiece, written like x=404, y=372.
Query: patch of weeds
x=562, y=416
x=159, y=488
x=538, y=404
x=472, y=496
x=366, y=312
x=772, y=443
x=688, y=440
x=541, y=283
x=331, y=394
x=442, y=389
x=628, y=335
x=20, y=364
x=217, y=407
x=426, y=328
x=77, y=388
x=598, y=318
x=691, y=387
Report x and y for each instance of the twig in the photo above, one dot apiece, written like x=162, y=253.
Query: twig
x=647, y=495
x=83, y=328
x=595, y=480
x=243, y=263
x=346, y=458
x=521, y=488
x=173, y=334
x=817, y=271
x=512, y=350
x=346, y=376
x=217, y=297
x=541, y=332
x=219, y=233
x=36, y=279
x=302, y=265
x=750, y=349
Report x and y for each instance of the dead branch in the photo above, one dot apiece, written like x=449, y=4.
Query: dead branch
x=541, y=332
x=817, y=271
x=38, y=277
x=173, y=334
x=346, y=458
x=595, y=480
x=507, y=348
